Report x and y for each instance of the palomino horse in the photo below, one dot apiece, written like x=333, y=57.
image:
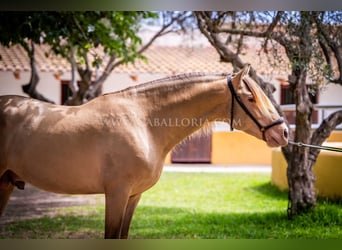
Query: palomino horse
x=116, y=144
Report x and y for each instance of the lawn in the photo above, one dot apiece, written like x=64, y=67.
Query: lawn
x=196, y=205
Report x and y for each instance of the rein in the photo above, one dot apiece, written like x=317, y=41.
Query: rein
x=243, y=106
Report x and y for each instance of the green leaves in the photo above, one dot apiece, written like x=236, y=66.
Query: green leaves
x=115, y=32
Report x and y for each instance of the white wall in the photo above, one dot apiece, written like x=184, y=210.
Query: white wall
x=10, y=86
x=50, y=86
x=331, y=95
x=119, y=81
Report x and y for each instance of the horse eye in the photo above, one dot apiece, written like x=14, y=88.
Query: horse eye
x=251, y=99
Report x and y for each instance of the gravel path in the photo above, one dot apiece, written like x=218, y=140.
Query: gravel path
x=35, y=203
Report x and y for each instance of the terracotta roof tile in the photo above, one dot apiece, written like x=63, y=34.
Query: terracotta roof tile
x=161, y=59
x=173, y=60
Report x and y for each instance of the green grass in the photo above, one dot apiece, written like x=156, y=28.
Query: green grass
x=197, y=205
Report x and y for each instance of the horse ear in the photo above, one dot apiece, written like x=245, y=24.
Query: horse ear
x=243, y=72
x=245, y=69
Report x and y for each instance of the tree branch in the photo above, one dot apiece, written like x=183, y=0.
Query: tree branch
x=323, y=132
x=79, y=27
x=334, y=46
x=269, y=32
x=324, y=47
x=270, y=29
x=113, y=63
x=73, y=82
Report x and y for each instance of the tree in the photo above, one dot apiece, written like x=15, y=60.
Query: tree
x=87, y=39
x=312, y=43
x=23, y=28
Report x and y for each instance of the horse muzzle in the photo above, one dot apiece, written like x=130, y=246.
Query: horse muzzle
x=277, y=136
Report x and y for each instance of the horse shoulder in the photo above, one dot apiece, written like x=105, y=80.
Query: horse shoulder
x=129, y=138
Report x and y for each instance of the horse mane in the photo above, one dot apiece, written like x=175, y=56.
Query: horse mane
x=175, y=82
x=187, y=76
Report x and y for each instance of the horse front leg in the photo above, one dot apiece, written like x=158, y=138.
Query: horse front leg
x=115, y=209
x=131, y=205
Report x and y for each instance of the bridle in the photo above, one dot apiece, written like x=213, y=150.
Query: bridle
x=243, y=106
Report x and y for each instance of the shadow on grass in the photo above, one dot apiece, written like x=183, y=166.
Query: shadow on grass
x=153, y=222
x=270, y=190
x=275, y=193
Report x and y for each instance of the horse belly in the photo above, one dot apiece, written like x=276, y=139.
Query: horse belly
x=78, y=174
x=66, y=181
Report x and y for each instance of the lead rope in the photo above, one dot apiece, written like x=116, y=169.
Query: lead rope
x=301, y=144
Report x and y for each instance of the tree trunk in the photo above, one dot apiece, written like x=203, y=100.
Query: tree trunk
x=300, y=176
x=30, y=87
x=79, y=97
x=301, y=179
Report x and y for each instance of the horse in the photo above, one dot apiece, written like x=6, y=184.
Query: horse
x=116, y=143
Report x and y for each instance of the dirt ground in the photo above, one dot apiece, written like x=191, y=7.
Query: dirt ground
x=35, y=203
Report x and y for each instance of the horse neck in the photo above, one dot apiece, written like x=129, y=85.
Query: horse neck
x=177, y=110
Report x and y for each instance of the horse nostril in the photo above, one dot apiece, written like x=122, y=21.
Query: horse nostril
x=286, y=133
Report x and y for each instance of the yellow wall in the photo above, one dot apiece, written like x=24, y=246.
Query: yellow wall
x=279, y=166
x=239, y=148
x=168, y=158
x=335, y=136
x=328, y=172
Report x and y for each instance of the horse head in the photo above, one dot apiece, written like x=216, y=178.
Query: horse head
x=253, y=112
